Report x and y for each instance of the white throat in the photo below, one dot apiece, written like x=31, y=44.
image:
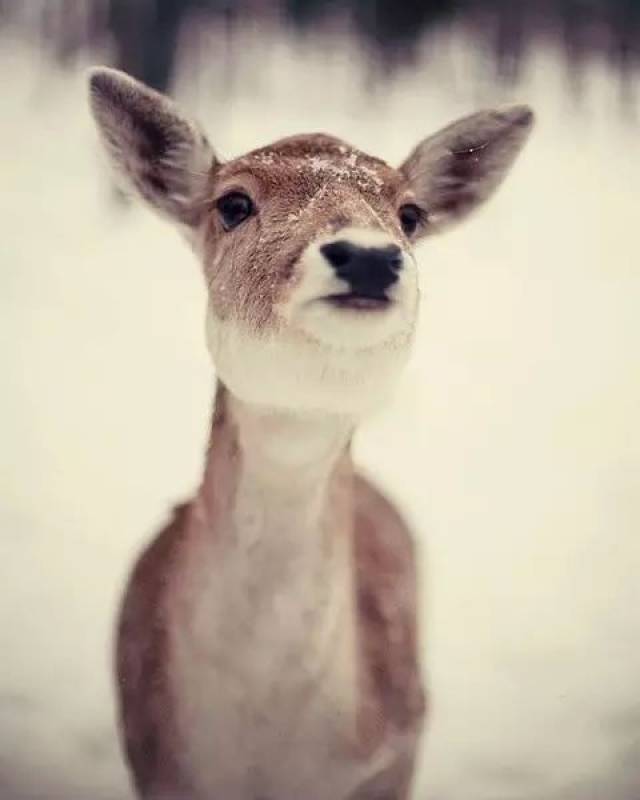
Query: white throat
x=272, y=629
x=283, y=497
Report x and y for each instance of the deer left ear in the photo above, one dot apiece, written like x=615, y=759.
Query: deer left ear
x=454, y=171
x=156, y=151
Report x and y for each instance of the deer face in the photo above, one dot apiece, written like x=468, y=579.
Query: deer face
x=307, y=244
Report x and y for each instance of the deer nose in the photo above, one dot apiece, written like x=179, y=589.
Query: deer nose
x=367, y=270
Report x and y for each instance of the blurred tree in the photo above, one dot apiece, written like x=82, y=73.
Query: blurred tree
x=145, y=33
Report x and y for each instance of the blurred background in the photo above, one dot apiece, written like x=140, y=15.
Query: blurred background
x=512, y=445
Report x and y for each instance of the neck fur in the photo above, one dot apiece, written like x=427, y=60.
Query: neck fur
x=277, y=503
x=275, y=472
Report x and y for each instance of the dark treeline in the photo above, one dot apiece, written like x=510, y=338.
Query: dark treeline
x=144, y=32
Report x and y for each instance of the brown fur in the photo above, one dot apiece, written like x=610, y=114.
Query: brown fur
x=142, y=659
x=385, y=566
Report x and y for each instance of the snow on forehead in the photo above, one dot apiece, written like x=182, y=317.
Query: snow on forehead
x=344, y=166
x=350, y=169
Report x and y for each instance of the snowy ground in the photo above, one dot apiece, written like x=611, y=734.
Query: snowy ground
x=513, y=444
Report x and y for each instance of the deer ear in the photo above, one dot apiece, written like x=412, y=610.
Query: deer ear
x=156, y=152
x=454, y=171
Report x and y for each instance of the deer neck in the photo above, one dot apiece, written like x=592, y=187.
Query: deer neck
x=278, y=482
x=276, y=513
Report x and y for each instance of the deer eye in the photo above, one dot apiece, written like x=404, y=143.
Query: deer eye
x=410, y=215
x=234, y=208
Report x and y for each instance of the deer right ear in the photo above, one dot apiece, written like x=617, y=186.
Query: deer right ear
x=454, y=171
x=156, y=152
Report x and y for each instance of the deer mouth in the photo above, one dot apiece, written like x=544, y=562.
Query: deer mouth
x=357, y=301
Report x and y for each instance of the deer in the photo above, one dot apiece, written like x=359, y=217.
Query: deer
x=268, y=644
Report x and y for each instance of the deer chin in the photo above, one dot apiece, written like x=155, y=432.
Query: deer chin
x=354, y=322
x=355, y=325
x=292, y=369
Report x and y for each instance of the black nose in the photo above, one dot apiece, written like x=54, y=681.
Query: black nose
x=369, y=271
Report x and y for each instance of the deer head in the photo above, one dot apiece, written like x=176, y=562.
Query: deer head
x=306, y=244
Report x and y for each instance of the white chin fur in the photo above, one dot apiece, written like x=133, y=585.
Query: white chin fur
x=292, y=370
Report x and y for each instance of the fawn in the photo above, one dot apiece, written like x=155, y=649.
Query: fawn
x=268, y=646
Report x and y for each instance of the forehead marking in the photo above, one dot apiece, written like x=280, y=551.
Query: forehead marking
x=294, y=216
x=343, y=171
x=375, y=214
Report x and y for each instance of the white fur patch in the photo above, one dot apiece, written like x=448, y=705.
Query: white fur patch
x=291, y=370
